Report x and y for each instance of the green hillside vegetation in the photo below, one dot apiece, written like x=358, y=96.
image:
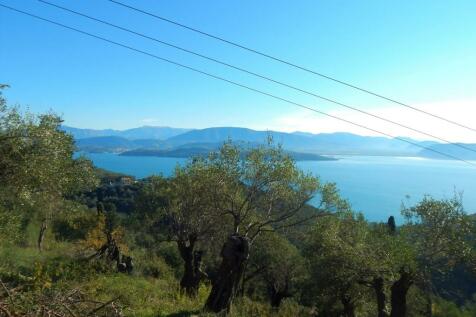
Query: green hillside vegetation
x=229, y=233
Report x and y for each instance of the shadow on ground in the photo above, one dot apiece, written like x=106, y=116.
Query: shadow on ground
x=185, y=313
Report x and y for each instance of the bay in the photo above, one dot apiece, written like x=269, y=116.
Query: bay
x=376, y=186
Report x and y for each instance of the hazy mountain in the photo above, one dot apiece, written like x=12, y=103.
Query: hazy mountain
x=324, y=143
x=145, y=132
x=215, y=135
x=450, y=149
x=186, y=141
x=78, y=133
x=148, y=132
x=114, y=144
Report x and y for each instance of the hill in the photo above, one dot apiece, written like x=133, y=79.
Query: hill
x=145, y=132
x=114, y=144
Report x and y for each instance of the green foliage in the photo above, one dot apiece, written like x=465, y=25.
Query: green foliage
x=73, y=223
x=115, y=192
x=339, y=256
x=439, y=231
x=279, y=266
x=37, y=168
x=37, y=157
x=154, y=267
x=169, y=253
x=261, y=188
x=10, y=227
x=151, y=198
x=445, y=308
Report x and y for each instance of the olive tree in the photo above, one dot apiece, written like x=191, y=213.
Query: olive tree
x=338, y=253
x=37, y=167
x=438, y=231
x=259, y=189
x=277, y=266
x=433, y=240
x=181, y=208
x=355, y=264
x=390, y=259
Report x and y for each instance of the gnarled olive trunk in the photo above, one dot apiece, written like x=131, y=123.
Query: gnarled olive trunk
x=428, y=306
x=235, y=253
x=192, y=274
x=277, y=295
x=378, y=287
x=349, y=307
x=426, y=286
x=399, y=294
x=41, y=235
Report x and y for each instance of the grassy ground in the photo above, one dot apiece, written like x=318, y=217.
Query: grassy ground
x=37, y=279
x=59, y=269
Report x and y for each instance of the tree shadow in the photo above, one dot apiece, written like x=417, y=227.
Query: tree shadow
x=184, y=313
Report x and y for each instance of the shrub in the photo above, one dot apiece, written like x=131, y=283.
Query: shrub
x=73, y=225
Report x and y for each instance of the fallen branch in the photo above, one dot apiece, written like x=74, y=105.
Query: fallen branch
x=102, y=306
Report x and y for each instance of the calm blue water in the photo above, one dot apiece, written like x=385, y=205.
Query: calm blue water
x=375, y=186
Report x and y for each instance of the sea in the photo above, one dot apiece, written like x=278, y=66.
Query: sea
x=376, y=186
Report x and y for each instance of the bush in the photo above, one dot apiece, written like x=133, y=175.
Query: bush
x=73, y=225
x=444, y=308
x=10, y=227
x=245, y=307
x=151, y=265
x=169, y=252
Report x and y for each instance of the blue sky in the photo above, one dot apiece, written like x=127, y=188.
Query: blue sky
x=419, y=52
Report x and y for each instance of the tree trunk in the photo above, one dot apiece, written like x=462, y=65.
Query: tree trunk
x=192, y=274
x=235, y=253
x=399, y=295
x=380, y=295
x=429, y=306
x=41, y=236
x=428, y=296
x=277, y=298
x=349, y=307
x=277, y=294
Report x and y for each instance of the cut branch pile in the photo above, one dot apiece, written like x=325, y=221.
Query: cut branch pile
x=73, y=303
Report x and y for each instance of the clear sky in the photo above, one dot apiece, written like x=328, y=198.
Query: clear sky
x=420, y=52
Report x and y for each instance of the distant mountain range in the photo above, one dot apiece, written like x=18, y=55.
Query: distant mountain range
x=166, y=141
x=145, y=132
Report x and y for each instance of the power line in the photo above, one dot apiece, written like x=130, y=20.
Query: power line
x=277, y=59
x=231, y=82
x=256, y=74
